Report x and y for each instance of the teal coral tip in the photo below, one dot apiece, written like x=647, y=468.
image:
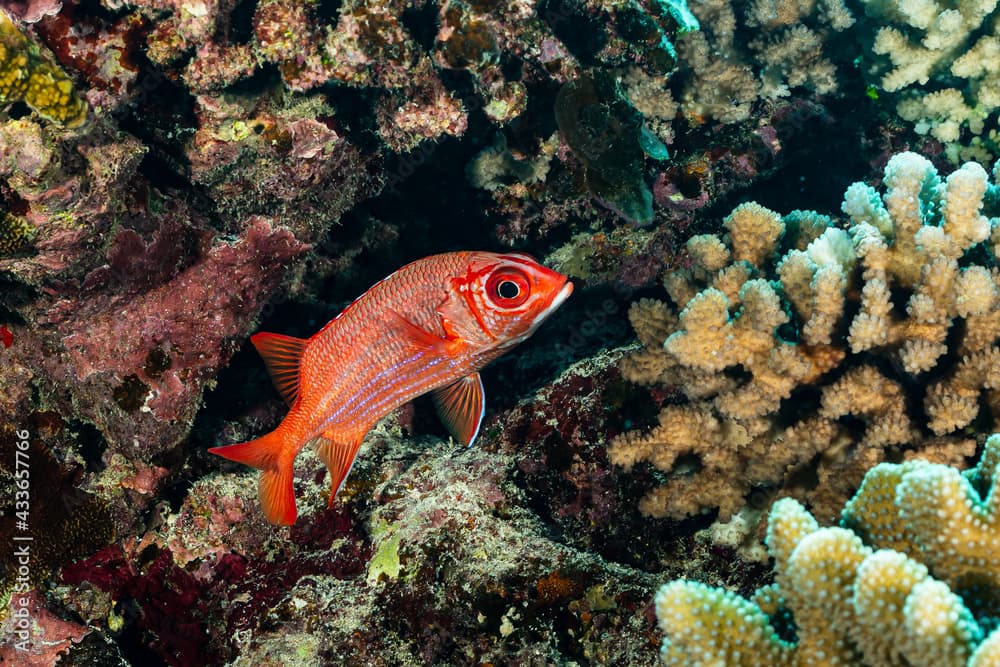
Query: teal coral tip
x=680, y=12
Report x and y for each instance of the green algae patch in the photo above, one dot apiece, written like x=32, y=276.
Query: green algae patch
x=385, y=560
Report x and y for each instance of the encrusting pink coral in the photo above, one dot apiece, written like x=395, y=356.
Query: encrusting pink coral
x=189, y=318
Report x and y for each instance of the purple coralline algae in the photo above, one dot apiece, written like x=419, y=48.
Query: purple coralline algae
x=31, y=11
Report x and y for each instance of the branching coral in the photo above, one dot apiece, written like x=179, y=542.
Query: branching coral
x=941, y=58
x=914, y=583
x=725, y=74
x=803, y=348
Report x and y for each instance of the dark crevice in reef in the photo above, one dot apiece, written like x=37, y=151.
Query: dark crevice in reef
x=241, y=22
x=421, y=22
x=583, y=35
x=90, y=443
x=329, y=10
x=354, y=115
x=163, y=118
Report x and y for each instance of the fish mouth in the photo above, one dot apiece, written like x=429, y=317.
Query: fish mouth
x=557, y=301
x=564, y=293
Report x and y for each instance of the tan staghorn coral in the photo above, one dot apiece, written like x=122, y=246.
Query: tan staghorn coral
x=809, y=349
x=911, y=579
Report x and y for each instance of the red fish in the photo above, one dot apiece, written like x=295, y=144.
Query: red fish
x=428, y=327
x=6, y=337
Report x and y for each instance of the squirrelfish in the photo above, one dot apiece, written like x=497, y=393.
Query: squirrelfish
x=428, y=327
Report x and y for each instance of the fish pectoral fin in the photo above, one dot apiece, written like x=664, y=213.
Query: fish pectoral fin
x=281, y=355
x=418, y=337
x=339, y=459
x=461, y=406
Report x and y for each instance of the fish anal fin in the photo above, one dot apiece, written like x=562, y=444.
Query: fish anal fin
x=461, y=406
x=339, y=457
x=274, y=487
x=281, y=355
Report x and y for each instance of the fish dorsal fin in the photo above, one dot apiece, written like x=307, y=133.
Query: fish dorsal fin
x=281, y=355
x=339, y=459
x=461, y=406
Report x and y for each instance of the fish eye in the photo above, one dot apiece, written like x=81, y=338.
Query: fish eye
x=508, y=288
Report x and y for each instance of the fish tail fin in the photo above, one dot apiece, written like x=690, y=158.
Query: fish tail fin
x=274, y=487
x=339, y=459
x=277, y=497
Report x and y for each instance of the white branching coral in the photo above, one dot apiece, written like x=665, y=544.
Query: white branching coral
x=806, y=350
x=910, y=579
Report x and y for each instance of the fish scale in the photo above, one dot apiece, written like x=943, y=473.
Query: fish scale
x=428, y=327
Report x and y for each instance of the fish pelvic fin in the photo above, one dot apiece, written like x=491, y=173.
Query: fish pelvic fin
x=281, y=355
x=339, y=459
x=274, y=486
x=461, y=405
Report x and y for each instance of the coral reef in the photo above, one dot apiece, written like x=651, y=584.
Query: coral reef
x=372, y=45
x=31, y=11
x=255, y=165
x=806, y=351
x=910, y=580
x=423, y=530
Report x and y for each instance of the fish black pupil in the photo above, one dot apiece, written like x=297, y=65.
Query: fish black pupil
x=508, y=289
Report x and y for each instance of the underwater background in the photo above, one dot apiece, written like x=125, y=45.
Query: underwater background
x=757, y=433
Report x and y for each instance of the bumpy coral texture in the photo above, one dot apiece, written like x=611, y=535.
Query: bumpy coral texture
x=372, y=45
x=25, y=75
x=15, y=234
x=914, y=582
x=942, y=60
x=807, y=350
